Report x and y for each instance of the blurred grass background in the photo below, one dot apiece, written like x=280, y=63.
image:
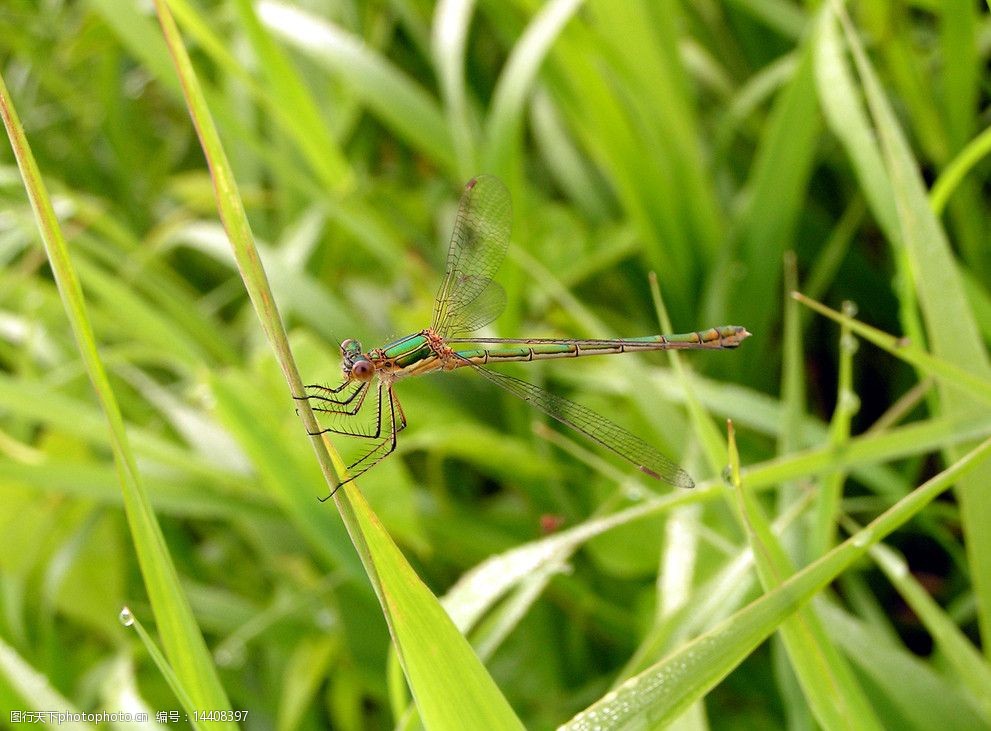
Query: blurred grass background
x=731, y=148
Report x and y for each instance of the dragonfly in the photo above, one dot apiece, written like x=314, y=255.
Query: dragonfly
x=468, y=300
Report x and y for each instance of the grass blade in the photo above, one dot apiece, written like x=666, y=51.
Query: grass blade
x=664, y=690
x=181, y=636
x=505, y=121
x=950, y=322
x=399, y=102
x=835, y=698
x=451, y=687
x=955, y=377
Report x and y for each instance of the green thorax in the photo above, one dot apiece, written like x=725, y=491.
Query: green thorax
x=404, y=352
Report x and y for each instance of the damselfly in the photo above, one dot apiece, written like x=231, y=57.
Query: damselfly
x=467, y=300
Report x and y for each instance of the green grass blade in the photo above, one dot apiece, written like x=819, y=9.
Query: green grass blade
x=705, y=428
x=451, y=687
x=296, y=103
x=954, y=173
x=285, y=97
x=128, y=619
x=972, y=671
x=502, y=131
x=481, y=587
x=921, y=697
x=835, y=698
x=395, y=98
x=256, y=428
x=777, y=185
x=953, y=376
x=830, y=495
x=841, y=103
x=32, y=690
x=449, y=35
x=183, y=641
x=663, y=691
x=949, y=320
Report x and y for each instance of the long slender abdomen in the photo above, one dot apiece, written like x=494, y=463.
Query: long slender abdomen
x=715, y=338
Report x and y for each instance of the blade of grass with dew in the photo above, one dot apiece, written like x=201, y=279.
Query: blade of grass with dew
x=680, y=552
x=663, y=691
x=713, y=601
x=949, y=320
x=451, y=686
x=396, y=99
x=183, y=641
x=829, y=686
x=128, y=619
x=674, y=586
x=966, y=382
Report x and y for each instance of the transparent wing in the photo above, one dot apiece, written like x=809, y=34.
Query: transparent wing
x=486, y=307
x=596, y=427
x=478, y=246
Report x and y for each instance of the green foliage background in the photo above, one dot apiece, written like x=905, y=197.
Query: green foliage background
x=738, y=150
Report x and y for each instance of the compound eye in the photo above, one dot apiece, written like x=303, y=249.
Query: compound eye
x=363, y=370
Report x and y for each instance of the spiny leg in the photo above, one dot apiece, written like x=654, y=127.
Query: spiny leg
x=329, y=389
x=353, y=412
x=395, y=426
x=335, y=390
x=361, y=392
x=376, y=453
